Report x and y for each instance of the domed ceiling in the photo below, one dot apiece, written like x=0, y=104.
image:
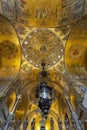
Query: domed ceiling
x=43, y=28
x=40, y=45
x=76, y=60
x=10, y=53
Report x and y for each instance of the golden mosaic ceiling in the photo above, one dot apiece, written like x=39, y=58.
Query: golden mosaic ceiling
x=25, y=15
x=40, y=45
x=29, y=16
x=10, y=53
x=42, y=31
x=76, y=51
x=44, y=13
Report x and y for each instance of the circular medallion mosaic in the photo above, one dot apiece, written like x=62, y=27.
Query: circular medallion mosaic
x=8, y=49
x=42, y=44
x=76, y=51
